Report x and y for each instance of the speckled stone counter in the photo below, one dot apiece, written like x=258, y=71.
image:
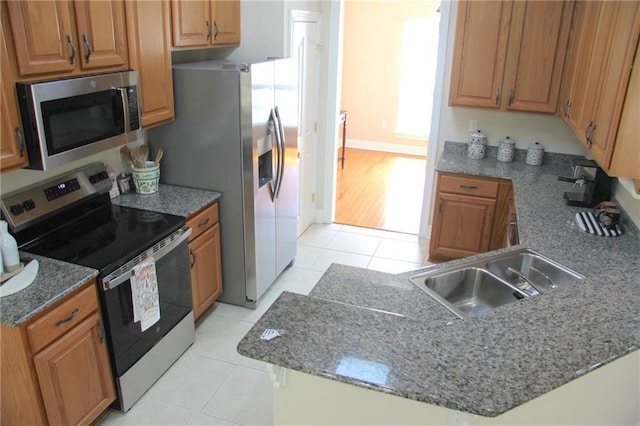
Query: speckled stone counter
x=170, y=199
x=485, y=365
x=54, y=281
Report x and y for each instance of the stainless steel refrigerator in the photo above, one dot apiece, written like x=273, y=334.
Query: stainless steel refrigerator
x=235, y=132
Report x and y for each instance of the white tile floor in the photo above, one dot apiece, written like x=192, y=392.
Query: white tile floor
x=211, y=384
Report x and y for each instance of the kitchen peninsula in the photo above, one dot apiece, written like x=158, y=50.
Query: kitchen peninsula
x=570, y=355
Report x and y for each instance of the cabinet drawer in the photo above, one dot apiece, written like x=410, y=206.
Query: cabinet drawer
x=468, y=186
x=63, y=318
x=202, y=221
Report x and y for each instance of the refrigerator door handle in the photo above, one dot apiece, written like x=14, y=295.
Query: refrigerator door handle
x=271, y=125
x=281, y=149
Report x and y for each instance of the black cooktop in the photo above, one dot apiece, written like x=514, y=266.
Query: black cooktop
x=101, y=235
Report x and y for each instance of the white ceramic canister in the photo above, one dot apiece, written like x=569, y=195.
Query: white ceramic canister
x=477, y=145
x=9, y=247
x=535, y=152
x=506, y=149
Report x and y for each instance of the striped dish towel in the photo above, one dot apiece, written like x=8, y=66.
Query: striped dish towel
x=589, y=223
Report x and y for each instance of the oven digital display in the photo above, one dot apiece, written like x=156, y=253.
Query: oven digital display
x=62, y=188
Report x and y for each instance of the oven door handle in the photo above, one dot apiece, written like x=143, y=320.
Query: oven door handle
x=118, y=277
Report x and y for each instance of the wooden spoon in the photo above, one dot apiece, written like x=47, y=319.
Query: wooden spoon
x=126, y=154
x=159, y=155
x=144, y=153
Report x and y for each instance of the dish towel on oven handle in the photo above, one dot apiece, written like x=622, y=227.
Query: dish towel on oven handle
x=144, y=294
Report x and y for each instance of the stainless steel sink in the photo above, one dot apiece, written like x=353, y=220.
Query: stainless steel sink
x=469, y=292
x=470, y=289
x=544, y=273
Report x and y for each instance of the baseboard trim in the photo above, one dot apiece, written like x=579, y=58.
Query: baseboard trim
x=387, y=147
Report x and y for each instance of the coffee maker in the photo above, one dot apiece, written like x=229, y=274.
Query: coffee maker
x=591, y=184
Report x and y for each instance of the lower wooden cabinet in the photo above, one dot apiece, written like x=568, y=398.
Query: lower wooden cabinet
x=206, y=265
x=74, y=375
x=55, y=368
x=470, y=216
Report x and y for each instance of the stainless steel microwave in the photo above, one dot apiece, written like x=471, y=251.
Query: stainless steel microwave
x=66, y=120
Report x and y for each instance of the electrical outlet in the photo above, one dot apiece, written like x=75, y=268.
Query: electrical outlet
x=473, y=125
x=384, y=124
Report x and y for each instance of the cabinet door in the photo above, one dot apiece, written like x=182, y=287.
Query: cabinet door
x=536, y=56
x=12, y=151
x=206, y=270
x=479, y=53
x=621, y=23
x=102, y=34
x=461, y=227
x=573, y=108
x=191, y=23
x=226, y=22
x=44, y=37
x=75, y=376
x=149, y=27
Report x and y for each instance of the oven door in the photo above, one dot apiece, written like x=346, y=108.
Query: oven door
x=127, y=343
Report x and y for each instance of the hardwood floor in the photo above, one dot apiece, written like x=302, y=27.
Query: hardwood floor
x=381, y=190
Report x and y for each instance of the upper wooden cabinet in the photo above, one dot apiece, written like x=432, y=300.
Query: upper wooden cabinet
x=149, y=29
x=13, y=154
x=63, y=37
x=600, y=93
x=205, y=23
x=510, y=56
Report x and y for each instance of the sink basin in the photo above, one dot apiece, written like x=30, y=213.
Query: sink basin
x=470, y=289
x=468, y=292
x=543, y=272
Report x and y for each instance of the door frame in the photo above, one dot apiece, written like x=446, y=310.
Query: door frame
x=334, y=38
x=297, y=16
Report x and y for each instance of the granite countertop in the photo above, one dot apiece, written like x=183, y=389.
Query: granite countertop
x=56, y=279
x=170, y=199
x=485, y=365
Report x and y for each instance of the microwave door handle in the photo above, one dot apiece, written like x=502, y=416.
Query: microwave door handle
x=111, y=281
x=125, y=108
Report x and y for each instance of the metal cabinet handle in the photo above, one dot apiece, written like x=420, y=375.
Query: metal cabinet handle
x=73, y=49
x=20, y=141
x=215, y=30
x=440, y=205
x=468, y=187
x=511, y=93
x=87, y=45
x=204, y=223
x=498, y=96
x=100, y=331
x=193, y=258
x=588, y=133
x=208, y=30
x=566, y=108
x=69, y=318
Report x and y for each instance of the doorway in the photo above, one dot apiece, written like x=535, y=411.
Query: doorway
x=388, y=95
x=305, y=47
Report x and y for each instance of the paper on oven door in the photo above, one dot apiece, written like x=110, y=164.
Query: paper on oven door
x=144, y=294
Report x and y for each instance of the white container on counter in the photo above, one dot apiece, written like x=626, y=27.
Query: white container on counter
x=477, y=145
x=535, y=153
x=506, y=149
x=9, y=248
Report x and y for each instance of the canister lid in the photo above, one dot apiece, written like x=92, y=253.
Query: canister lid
x=536, y=146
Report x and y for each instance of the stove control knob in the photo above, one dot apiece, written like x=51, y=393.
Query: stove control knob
x=16, y=209
x=29, y=205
